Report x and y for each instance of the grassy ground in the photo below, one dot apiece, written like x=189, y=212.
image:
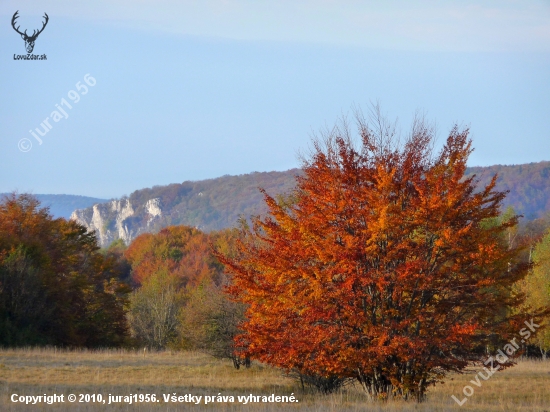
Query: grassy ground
x=525, y=387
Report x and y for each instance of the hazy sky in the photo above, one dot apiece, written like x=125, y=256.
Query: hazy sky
x=188, y=90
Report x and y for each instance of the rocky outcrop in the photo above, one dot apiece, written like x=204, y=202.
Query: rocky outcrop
x=153, y=209
x=207, y=205
x=118, y=219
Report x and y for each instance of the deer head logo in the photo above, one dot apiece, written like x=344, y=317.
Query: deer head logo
x=29, y=40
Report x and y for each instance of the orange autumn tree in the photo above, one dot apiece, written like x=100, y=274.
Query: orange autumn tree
x=180, y=251
x=379, y=267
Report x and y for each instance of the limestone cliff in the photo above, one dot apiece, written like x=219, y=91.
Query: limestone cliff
x=118, y=219
x=207, y=205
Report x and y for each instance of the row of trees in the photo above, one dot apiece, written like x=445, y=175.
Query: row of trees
x=56, y=288
x=180, y=301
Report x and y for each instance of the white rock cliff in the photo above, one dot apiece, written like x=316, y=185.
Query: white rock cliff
x=111, y=221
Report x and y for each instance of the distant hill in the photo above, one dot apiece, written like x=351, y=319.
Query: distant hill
x=217, y=203
x=529, y=186
x=65, y=205
x=207, y=204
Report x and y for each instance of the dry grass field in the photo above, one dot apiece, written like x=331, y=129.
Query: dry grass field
x=526, y=387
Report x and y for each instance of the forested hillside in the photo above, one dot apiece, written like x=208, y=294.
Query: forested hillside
x=215, y=204
x=529, y=186
x=207, y=205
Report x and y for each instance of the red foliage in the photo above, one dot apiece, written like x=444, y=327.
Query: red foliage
x=382, y=268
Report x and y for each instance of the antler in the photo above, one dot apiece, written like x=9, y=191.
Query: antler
x=15, y=16
x=34, y=33
x=43, y=26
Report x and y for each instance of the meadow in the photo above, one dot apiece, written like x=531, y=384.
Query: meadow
x=525, y=387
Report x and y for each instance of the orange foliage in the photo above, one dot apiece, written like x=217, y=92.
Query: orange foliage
x=180, y=251
x=381, y=269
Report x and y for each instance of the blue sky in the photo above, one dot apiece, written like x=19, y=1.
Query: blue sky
x=188, y=90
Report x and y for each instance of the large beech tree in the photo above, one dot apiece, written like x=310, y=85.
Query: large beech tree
x=379, y=266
